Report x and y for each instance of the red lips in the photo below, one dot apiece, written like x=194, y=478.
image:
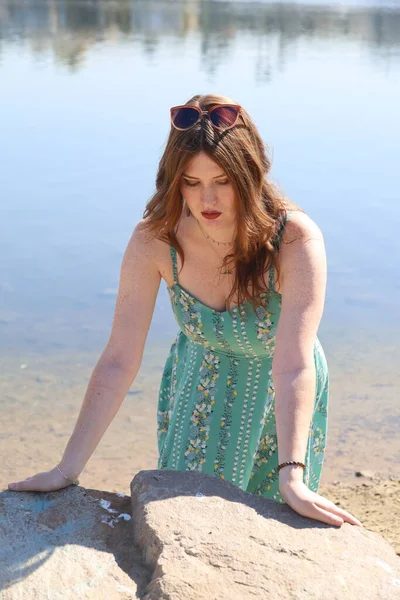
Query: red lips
x=211, y=216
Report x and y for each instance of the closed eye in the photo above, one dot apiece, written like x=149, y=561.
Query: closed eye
x=188, y=183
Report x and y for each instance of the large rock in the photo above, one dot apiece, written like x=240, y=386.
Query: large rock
x=70, y=544
x=191, y=536
x=204, y=538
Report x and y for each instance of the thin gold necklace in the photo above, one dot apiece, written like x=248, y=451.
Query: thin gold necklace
x=228, y=271
x=210, y=238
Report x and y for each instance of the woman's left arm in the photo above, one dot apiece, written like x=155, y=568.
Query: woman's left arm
x=303, y=285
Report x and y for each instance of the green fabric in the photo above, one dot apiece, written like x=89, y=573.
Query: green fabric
x=216, y=404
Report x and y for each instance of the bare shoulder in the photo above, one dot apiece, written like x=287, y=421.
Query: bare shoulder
x=302, y=252
x=142, y=238
x=299, y=228
x=144, y=244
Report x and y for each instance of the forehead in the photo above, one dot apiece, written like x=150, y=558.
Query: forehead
x=201, y=165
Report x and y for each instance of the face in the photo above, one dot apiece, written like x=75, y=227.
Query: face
x=206, y=188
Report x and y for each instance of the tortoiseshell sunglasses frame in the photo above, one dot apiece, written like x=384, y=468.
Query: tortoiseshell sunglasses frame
x=202, y=113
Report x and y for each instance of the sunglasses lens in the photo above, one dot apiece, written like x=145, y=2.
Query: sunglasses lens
x=183, y=118
x=224, y=116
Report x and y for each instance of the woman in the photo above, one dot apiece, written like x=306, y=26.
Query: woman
x=244, y=392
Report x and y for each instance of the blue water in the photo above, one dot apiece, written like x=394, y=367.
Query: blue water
x=85, y=91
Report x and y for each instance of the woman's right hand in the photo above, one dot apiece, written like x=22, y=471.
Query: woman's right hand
x=48, y=481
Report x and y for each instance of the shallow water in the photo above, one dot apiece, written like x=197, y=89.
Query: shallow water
x=85, y=92
x=41, y=399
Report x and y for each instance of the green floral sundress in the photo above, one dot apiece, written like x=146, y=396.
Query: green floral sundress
x=216, y=403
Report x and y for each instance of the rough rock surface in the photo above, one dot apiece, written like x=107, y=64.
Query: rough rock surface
x=205, y=539
x=191, y=536
x=75, y=543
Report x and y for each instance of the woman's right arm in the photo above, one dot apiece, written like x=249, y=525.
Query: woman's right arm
x=117, y=366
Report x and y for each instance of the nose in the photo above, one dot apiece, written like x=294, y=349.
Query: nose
x=208, y=195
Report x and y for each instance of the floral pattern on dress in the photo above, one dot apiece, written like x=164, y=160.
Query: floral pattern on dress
x=204, y=390
x=191, y=315
x=202, y=414
x=265, y=330
x=230, y=395
x=167, y=398
x=317, y=441
x=267, y=446
x=270, y=482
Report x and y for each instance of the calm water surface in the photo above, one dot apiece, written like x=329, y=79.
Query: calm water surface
x=85, y=91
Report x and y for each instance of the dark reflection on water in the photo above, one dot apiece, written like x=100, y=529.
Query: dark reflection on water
x=71, y=28
x=85, y=91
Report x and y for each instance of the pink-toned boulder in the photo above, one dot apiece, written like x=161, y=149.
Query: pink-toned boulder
x=205, y=539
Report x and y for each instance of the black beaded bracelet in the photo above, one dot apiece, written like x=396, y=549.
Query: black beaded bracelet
x=291, y=462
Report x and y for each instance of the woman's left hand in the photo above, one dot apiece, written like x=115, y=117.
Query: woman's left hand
x=310, y=504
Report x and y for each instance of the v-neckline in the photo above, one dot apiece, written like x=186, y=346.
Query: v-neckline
x=176, y=283
x=221, y=312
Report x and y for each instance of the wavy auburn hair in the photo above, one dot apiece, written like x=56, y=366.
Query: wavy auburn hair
x=260, y=206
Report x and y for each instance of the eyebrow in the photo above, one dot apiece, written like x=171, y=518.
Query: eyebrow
x=190, y=177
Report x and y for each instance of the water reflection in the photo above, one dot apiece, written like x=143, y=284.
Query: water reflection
x=79, y=160
x=70, y=29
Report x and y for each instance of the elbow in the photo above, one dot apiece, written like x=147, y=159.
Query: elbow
x=126, y=364
x=294, y=379
x=293, y=360
x=294, y=369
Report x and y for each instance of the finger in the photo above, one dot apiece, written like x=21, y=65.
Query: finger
x=15, y=486
x=22, y=480
x=346, y=516
x=326, y=516
x=340, y=512
x=18, y=486
x=350, y=519
x=28, y=484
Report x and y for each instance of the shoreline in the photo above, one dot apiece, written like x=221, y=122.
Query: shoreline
x=372, y=498
x=41, y=398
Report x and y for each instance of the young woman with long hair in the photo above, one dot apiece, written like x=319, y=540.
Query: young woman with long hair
x=244, y=391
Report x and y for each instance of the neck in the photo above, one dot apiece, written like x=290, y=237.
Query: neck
x=216, y=237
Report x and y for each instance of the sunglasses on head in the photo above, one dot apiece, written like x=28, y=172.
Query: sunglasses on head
x=222, y=116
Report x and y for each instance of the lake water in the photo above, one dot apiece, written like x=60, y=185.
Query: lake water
x=85, y=91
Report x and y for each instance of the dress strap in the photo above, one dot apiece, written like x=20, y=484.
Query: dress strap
x=281, y=227
x=174, y=263
x=276, y=242
x=271, y=286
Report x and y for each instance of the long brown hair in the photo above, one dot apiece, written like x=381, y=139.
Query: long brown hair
x=260, y=206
